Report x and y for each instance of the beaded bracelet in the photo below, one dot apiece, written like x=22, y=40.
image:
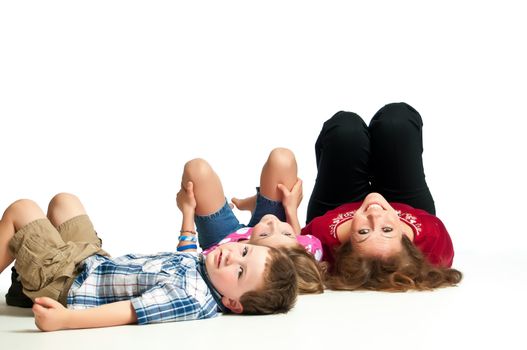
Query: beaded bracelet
x=188, y=231
x=187, y=239
x=186, y=247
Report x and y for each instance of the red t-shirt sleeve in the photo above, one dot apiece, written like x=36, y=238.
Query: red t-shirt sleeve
x=435, y=242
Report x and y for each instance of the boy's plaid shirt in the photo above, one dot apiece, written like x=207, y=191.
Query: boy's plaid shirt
x=162, y=287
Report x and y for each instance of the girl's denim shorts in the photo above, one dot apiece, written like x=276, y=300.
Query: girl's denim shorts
x=216, y=226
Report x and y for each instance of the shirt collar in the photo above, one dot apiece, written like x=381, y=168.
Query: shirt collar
x=215, y=294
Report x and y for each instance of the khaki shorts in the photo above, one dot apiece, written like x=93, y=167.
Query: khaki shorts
x=48, y=258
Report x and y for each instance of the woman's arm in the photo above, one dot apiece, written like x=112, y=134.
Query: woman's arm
x=50, y=315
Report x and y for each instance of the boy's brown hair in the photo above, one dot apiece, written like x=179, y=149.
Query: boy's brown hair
x=279, y=291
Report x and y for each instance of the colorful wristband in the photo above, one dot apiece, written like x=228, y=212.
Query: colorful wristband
x=187, y=239
x=186, y=247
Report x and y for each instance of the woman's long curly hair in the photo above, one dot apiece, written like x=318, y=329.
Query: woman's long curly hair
x=408, y=270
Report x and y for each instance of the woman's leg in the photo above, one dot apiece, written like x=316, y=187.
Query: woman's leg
x=396, y=156
x=214, y=218
x=280, y=168
x=342, y=152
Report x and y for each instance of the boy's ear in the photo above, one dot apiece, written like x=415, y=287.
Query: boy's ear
x=233, y=305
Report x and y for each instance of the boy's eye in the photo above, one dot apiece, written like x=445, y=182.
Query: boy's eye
x=363, y=231
x=240, y=272
x=245, y=251
x=387, y=229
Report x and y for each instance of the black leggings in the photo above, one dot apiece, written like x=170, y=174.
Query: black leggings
x=386, y=157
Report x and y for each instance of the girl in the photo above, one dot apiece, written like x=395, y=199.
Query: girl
x=371, y=207
x=274, y=221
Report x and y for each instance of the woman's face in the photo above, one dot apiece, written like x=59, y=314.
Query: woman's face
x=376, y=230
x=271, y=232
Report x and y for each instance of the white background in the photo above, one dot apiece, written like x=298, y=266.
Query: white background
x=108, y=99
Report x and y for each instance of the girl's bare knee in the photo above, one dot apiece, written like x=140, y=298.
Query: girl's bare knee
x=197, y=168
x=282, y=157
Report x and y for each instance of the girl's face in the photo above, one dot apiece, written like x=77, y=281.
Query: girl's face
x=271, y=232
x=376, y=229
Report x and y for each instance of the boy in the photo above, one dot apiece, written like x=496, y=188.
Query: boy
x=61, y=263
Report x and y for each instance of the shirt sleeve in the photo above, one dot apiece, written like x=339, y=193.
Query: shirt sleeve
x=437, y=245
x=167, y=302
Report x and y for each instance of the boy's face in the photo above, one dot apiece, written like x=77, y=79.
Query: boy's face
x=236, y=268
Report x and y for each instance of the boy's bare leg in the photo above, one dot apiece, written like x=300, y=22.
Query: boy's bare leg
x=63, y=207
x=208, y=189
x=16, y=216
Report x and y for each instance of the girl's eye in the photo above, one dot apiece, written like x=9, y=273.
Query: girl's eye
x=240, y=272
x=387, y=229
x=363, y=231
x=245, y=251
x=264, y=234
x=289, y=234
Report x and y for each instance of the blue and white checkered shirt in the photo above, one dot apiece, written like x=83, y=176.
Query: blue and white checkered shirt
x=162, y=287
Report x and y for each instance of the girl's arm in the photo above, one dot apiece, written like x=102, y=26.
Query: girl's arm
x=291, y=200
x=50, y=315
x=186, y=202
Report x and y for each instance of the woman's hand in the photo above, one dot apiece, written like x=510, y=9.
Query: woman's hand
x=50, y=315
x=292, y=198
x=186, y=201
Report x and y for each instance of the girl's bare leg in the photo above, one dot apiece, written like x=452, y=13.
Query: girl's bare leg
x=208, y=189
x=280, y=168
x=16, y=216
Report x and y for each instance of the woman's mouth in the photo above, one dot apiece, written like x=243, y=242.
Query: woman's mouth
x=374, y=206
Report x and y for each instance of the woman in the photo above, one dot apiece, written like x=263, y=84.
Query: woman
x=371, y=206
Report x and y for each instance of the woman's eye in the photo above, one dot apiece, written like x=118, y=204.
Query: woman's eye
x=363, y=231
x=387, y=229
x=245, y=251
x=240, y=272
x=264, y=234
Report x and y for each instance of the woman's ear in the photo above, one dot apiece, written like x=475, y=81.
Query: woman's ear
x=233, y=305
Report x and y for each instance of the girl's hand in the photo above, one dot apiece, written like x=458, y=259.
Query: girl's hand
x=186, y=201
x=292, y=199
x=50, y=315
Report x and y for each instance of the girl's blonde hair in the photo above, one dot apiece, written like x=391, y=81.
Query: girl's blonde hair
x=310, y=273
x=404, y=271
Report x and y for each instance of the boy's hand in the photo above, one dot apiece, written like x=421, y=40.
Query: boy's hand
x=291, y=199
x=50, y=315
x=186, y=201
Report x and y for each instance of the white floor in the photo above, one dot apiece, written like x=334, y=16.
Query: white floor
x=486, y=310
